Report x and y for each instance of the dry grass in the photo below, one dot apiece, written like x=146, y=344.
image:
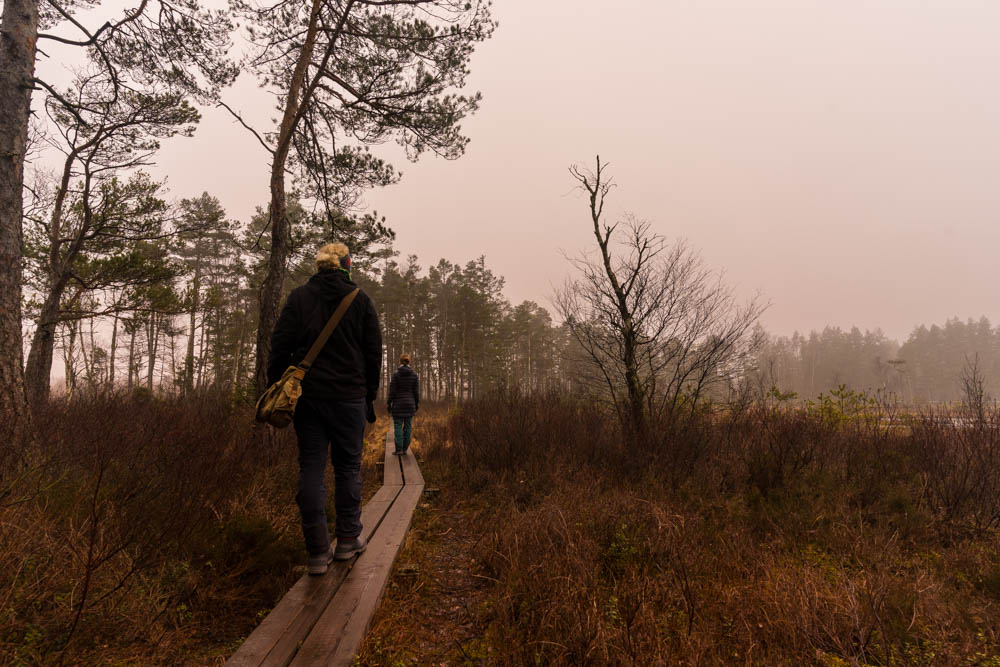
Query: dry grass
x=429, y=609
x=148, y=531
x=762, y=537
x=159, y=531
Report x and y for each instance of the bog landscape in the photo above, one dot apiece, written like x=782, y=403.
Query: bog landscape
x=693, y=302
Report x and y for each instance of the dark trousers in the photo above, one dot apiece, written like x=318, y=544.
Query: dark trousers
x=404, y=429
x=335, y=429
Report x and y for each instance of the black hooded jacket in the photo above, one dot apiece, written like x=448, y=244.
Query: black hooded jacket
x=404, y=393
x=350, y=364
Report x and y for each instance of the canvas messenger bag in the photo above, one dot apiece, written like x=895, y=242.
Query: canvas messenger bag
x=276, y=406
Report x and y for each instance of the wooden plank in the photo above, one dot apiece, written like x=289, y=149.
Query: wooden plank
x=373, y=513
x=276, y=639
x=338, y=634
x=360, y=620
x=411, y=471
x=393, y=469
x=258, y=645
x=285, y=648
x=303, y=611
x=308, y=613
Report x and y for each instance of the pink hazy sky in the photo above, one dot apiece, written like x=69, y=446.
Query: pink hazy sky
x=841, y=157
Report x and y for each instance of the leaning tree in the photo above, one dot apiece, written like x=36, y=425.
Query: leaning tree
x=350, y=74
x=174, y=43
x=111, y=133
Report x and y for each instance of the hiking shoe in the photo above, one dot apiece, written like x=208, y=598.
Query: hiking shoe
x=398, y=453
x=321, y=563
x=347, y=549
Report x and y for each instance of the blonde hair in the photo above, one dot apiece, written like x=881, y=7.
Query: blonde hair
x=405, y=359
x=329, y=256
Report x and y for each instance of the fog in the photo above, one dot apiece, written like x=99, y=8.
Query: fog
x=841, y=158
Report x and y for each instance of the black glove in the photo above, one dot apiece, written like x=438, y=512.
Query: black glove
x=371, y=412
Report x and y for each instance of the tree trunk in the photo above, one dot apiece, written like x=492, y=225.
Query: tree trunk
x=238, y=361
x=152, y=338
x=201, y=358
x=39, y=366
x=88, y=366
x=636, y=397
x=111, y=353
x=464, y=374
x=173, y=358
x=274, y=280
x=163, y=365
x=189, y=360
x=131, y=355
x=69, y=351
x=18, y=34
x=219, y=353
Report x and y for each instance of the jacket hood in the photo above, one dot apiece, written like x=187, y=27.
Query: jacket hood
x=405, y=370
x=330, y=284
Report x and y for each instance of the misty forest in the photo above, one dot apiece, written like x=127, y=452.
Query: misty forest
x=631, y=464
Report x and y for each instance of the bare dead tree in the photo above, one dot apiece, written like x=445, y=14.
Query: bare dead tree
x=973, y=384
x=657, y=326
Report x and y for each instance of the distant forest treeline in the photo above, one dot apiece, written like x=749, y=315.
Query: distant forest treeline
x=926, y=368
x=173, y=309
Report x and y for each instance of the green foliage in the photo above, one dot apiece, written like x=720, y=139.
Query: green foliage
x=781, y=396
x=623, y=551
x=840, y=406
x=390, y=72
x=462, y=333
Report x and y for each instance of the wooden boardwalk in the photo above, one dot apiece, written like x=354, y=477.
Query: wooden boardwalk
x=323, y=620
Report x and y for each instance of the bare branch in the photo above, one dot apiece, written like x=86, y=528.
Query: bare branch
x=240, y=120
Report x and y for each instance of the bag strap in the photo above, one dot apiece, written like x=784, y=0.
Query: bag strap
x=324, y=335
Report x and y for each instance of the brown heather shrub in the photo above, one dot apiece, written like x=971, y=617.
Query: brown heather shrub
x=960, y=468
x=758, y=537
x=145, y=530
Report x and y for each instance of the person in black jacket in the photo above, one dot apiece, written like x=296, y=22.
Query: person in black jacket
x=403, y=402
x=338, y=395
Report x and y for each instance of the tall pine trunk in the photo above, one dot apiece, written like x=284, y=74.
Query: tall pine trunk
x=69, y=351
x=88, y=362
x=189, y=359
x=152, y=338
x=173, y=357
x=39, y=366
x=18, y=34
x=219, y=355
x=111, y=353
x=201, y=359
x=238, y=361
x=274, y=280
x=131, y=356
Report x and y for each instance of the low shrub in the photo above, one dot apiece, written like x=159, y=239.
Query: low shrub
x=759, y=536
x=145, y=529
